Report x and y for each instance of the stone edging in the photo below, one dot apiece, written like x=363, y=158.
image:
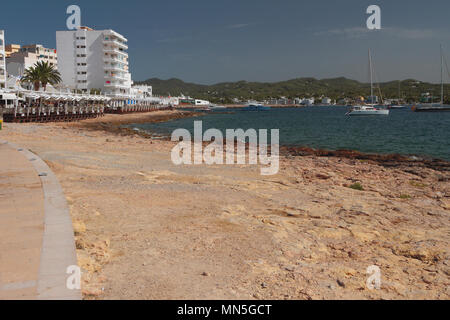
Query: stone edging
x=58, y=247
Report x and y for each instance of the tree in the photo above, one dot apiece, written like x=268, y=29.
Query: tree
x=31, y=75
x=42, y=73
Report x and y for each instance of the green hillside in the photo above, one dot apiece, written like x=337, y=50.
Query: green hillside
x=336, y=88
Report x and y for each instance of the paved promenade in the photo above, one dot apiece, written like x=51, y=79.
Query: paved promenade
x=36, y=235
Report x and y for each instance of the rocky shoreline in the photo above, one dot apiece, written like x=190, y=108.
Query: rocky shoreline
x=147, y=229
x=407, y=162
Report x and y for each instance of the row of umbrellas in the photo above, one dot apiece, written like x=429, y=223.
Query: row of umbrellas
x=66, y=97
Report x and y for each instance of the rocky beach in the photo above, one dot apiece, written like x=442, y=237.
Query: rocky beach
x=147, y=229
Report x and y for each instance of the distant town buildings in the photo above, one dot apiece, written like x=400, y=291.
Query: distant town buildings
x=43, y=54
x=12, y=48
x=94, y=59
x=199, y=102
x=19, y=58
x=141, y=91
x=2, y=60
x=326, y=101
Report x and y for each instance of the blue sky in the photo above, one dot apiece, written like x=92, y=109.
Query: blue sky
x=209, y=41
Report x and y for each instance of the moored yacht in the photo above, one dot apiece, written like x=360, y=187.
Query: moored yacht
x=368, y=109
x=435, y=107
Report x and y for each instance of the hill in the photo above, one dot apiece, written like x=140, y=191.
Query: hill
x=335, y=88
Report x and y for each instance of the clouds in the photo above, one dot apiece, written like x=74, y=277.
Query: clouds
x=395, y=32
x=350, y=33
x=238, y=26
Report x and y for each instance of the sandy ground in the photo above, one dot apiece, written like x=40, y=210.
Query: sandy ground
x=147, y=229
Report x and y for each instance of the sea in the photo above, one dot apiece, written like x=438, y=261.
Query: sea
x=403, y=132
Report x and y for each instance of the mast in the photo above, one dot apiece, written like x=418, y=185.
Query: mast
x=442, y=77
x=371, y=77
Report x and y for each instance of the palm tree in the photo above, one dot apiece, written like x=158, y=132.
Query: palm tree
x=42, y=73
x=32, y=75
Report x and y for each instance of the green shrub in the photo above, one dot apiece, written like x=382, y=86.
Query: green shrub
x=357, y=186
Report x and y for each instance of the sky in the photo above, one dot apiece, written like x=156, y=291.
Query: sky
x=211, y=41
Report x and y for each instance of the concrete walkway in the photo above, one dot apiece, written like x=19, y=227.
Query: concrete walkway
x=36, y=234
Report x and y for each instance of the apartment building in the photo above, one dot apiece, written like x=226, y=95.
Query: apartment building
x=19, y=58
x=12, y=48
x=43, y=54
x=94, y=59
x=2, y=60
x=18, y=62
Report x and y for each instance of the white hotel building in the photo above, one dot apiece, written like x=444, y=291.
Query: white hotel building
x=94, y=59
x=3, y=78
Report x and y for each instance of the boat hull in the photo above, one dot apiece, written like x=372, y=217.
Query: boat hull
x=438, y=108
x=255, y=108
x=369, y=113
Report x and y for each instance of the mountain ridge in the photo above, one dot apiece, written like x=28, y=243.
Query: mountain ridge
x=334, y=88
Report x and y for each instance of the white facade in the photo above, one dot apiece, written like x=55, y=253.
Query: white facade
x=18, y=62
x=2, y=60
x=94, y=59
x=43, y=54
x=199, y=102
x=141, y=91
x=308, y=102
x=326, y=101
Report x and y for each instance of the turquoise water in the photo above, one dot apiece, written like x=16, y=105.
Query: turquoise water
x=403, y=131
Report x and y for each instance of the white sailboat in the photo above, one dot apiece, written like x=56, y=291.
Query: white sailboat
x=368, y=109
x=431, y=107
x=397, y=106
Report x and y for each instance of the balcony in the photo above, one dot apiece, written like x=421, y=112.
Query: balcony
x=115, y=43
x=115, y=34
x=114, y=51
x=116, y=77
x=110, y=59
x=116, y=85
x=114, y=68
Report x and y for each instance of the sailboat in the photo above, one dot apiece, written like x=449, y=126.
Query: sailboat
x=430, y=107
x=368, y=109
x=397, y=106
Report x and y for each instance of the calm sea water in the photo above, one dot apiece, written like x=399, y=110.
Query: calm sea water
x=403, y=131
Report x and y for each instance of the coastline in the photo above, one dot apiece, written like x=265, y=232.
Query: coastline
x=114, y=124
x=147, y=229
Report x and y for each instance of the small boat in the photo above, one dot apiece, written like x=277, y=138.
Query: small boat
x=255, y=107
x=215, y=107
x=394, y=106
x=435, y=107
x=203, y=109
x=431, y=108
x=368, y=109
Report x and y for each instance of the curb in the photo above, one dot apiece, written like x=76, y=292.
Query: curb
x=58, y=247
